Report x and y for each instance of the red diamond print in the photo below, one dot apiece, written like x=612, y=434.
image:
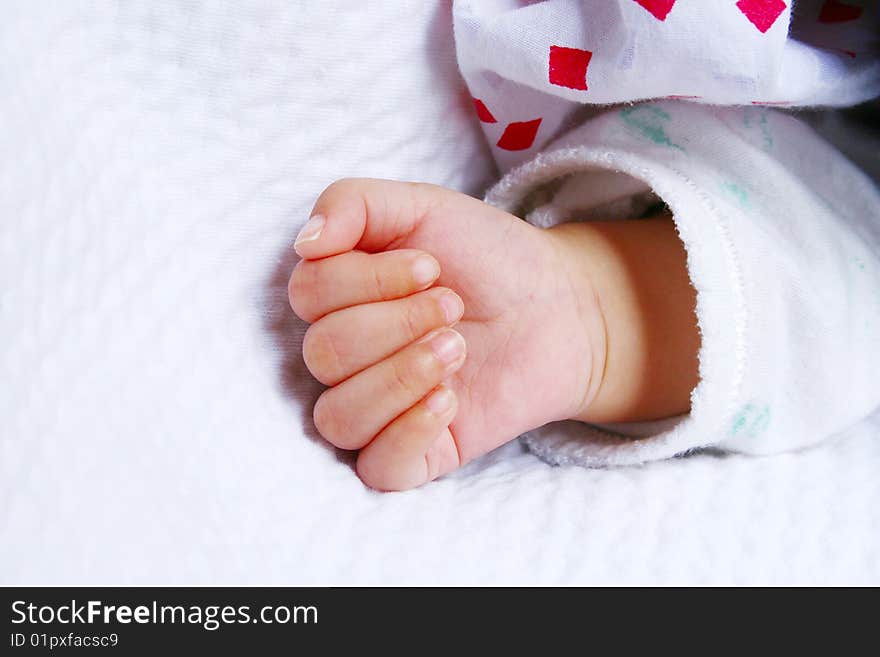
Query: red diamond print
x=659, y=8
x=761, y=13
x=568, y=67
x=834, y=11
x=519, y=136
x=483, y=112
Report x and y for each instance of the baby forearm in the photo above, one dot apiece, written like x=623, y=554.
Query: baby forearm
x=638, y=271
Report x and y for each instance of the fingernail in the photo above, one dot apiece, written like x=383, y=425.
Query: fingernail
x=425, y=270
x=439, y=401
x=311, y=231
x=448, y=346
x=453, y=308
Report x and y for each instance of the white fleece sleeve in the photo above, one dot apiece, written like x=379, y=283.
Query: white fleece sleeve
x=782, y=234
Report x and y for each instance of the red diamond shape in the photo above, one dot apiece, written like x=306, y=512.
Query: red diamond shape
x=834, y=11
x=568, y=67
x=483, y=112
x=761, y=13
x=659, y=8
x=519, y=136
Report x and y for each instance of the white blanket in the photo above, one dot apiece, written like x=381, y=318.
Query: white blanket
x=156, y=160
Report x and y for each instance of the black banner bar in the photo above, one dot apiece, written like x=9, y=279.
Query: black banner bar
x=134, y=621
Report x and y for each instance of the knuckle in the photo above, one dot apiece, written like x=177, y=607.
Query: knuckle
x=343, y=187
x=421, y=314
x=409, y=374
x=379, y=474
x=295, y=289
x=334, y=192
x=302, y=290
x=393, y=274
x=337, y=186
x=372, y=472
x=323, y=418
x=377, y=281
x=321, y=355
x=415, y=319
x=425, y=196
x=332, y=422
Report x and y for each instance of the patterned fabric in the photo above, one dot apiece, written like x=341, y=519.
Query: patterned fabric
x=531, y=65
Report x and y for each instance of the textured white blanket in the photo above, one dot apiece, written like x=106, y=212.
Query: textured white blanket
x=156, y=160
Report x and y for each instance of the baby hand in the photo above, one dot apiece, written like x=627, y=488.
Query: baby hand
x=588, y=320
x=381, y=340
x=388, y=269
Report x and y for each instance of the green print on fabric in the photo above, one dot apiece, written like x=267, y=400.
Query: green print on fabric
x=751, y=421
x=859, y=263
x=763, y=125
x=737, y=192
x=648, y=120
